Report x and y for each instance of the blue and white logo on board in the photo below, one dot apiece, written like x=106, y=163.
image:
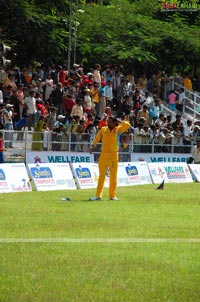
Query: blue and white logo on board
x=41, y=172
x=82, y=172
x=131, y=170
x=48, y=176
x=2, y=175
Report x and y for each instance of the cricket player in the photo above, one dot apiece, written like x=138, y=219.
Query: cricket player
x=110, y=139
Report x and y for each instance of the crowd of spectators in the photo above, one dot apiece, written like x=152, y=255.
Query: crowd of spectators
x=57, y=101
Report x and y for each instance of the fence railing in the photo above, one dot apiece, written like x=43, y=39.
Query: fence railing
x=192, y=102
x=19, y=142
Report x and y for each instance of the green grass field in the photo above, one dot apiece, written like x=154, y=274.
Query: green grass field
x=144, y=247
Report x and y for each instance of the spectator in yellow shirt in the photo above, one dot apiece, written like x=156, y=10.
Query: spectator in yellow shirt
x=187, y=82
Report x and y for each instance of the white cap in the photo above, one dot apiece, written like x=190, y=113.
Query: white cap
x=60, y=116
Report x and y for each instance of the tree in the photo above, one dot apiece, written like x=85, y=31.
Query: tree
x=37, y=30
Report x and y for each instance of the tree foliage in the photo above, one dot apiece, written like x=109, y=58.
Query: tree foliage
x=127, y=32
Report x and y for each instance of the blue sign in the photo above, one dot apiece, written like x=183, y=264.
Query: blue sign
x=83, y=172
x=43, y=172
x=131, y=170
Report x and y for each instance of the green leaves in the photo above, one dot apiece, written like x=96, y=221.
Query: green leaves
x=108, y=31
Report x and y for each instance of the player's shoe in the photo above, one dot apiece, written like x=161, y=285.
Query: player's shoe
x=114, y=198
x=95, y=198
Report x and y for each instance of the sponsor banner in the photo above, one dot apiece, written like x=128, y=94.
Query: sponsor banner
x=48, y=177
x=14, y=178
x=133, y=173
x=170, y=172
x=87, y=175
x=128, y=174
x=195, y=169
x=58, y=157
x=160, y=157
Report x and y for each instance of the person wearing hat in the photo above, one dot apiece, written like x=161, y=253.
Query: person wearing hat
x=196, y=151
x=47, y=89
x=60, y=120
x=87, y=103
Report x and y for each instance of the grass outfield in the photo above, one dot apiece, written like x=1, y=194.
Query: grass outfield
x=145, y=247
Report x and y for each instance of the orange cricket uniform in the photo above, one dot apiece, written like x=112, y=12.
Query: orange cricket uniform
x=109, y=156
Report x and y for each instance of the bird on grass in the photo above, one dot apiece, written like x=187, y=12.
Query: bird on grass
x=161, y=185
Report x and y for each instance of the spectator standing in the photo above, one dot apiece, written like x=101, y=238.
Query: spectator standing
x=181, y=99
x=178, y=139
x=46, y=137
x=187, y=82
x=144, y=113
x=102, y=98
x=97, y=74
x=138, y=136
x=56, y=97
x=137, y=99
x=116, y=82
x=156, y=82
x=30, y=106
x=67, y=104
x=20, y=127
x=8, y=124
x=172, y=98
x=47, y=90
x=62, y=74
x=37, y=141
x=142, y=82
x=28, y=74
x=51, y=118
x=196, y=134
x=109, y=93
x=87, y=99
x=77, y=109
x=95, y=97
x=2, y=149
x=20, y=98
x=155, y=109
x=10, y=82
x=187, y=140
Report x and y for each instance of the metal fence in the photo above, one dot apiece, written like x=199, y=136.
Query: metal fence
x=191, y=104
x=19, y=142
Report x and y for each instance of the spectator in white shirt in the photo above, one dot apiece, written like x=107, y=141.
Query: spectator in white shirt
x=30, y=106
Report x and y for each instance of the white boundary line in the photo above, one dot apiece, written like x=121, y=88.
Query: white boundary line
x=99, y=240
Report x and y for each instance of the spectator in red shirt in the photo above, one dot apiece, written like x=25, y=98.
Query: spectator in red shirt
x=2, y=149
x=67, y=104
